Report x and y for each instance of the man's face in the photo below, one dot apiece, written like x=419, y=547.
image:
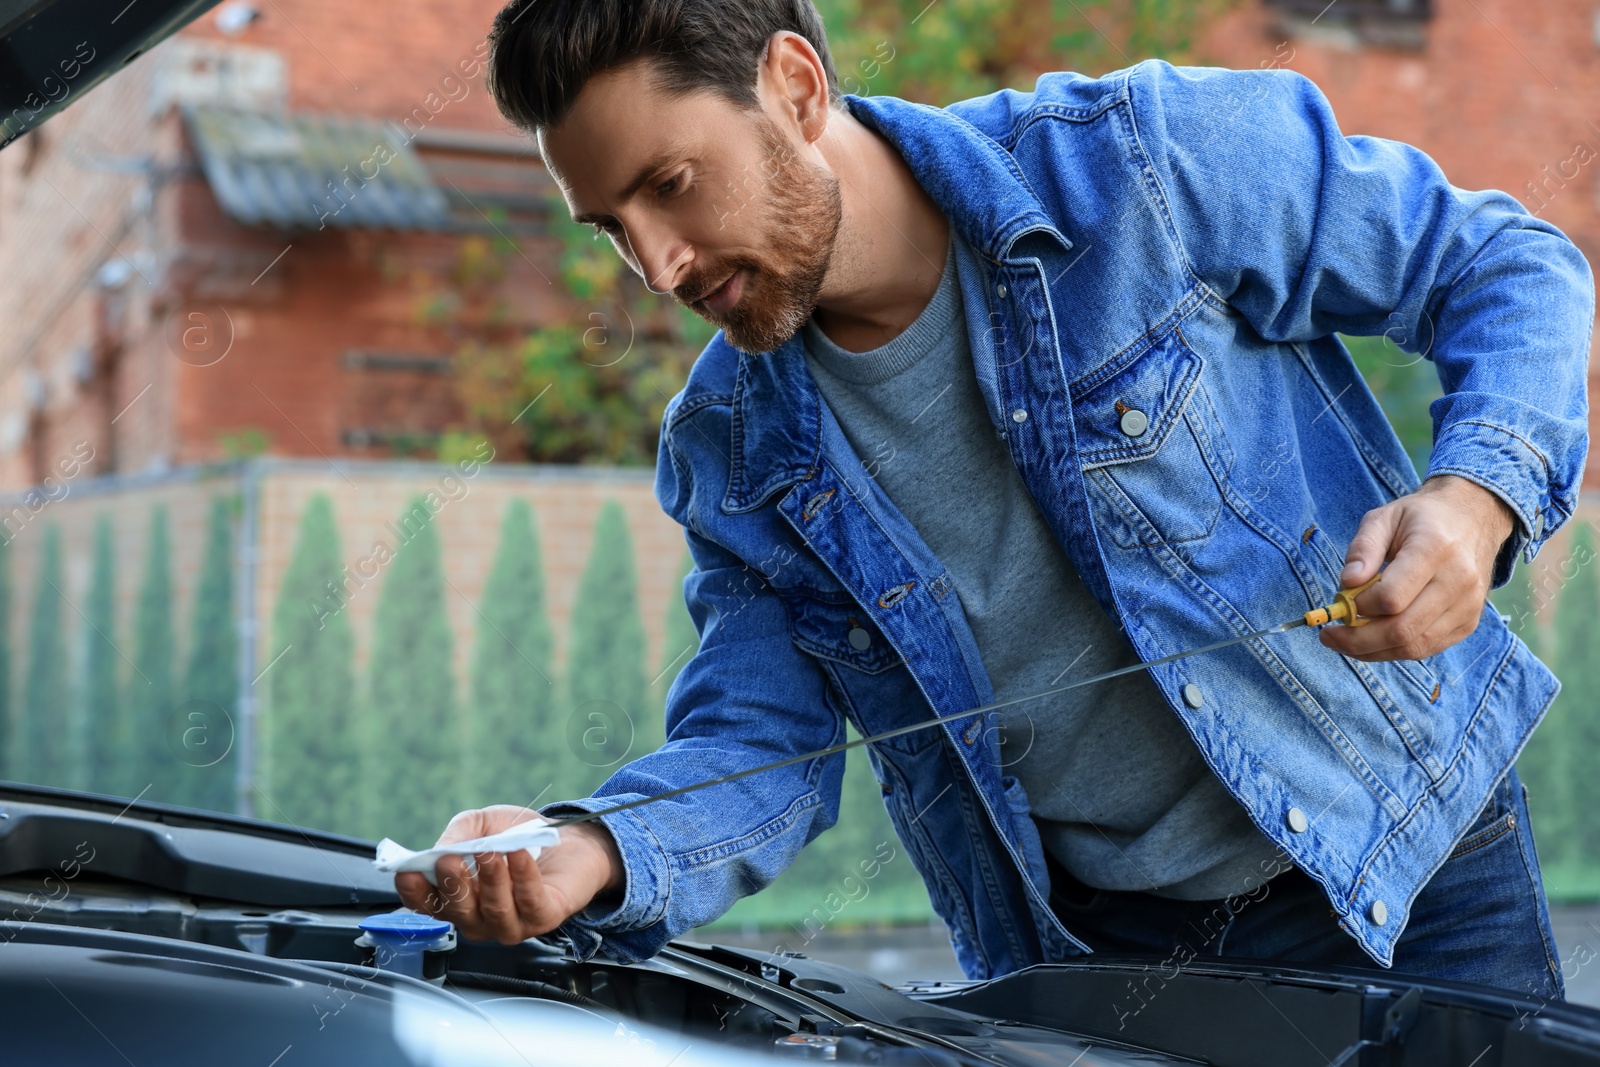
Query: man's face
x=719, y=206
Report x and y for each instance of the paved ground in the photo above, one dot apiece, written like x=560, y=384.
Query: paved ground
x=1577, y=928
x=896, y=954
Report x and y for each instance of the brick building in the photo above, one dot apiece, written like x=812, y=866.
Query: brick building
x=194, y=251
x=236, y=234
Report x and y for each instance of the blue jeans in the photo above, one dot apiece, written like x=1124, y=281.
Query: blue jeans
x=1481, y=918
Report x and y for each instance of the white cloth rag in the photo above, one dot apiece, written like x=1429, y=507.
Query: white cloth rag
x=392, y=857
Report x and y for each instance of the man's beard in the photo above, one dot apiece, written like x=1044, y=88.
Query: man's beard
x=780, y=288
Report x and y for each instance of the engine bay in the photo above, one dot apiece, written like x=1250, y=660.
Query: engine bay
x=141, y=933
x=144, y=958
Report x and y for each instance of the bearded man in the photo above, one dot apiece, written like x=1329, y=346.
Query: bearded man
x=1034, y=386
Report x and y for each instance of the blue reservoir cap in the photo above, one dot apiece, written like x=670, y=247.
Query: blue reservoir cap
x=407, y=924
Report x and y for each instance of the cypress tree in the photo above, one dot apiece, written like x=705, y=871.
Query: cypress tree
x=205, y=739
x=308, y=733
x=1538, y=765
x=513, y=694
x=607, y=697
x=412, y=732
x=1518, y=601
x=108, y=736
x=150, y=698
x=45, y=746
x=678, y=647
x=1573, y=727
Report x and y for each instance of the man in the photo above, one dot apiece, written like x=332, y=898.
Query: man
x=1035, y=386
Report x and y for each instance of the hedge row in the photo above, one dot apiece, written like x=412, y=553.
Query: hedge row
x=396, y=752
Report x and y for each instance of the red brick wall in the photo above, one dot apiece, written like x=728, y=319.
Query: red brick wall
x=374, y=59
x=66, y=207
x=331, y=292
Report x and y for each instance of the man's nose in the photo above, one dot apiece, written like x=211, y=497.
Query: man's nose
x=662, y=257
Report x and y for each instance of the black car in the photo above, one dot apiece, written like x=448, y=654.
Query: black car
x=145, y=933
x=141, y=933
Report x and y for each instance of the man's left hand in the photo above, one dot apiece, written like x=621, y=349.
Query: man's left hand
x=1441, y=543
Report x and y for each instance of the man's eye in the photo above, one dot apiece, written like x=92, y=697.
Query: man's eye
x=603, y=229
x=670, y=186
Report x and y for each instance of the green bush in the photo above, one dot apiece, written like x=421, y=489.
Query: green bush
x=151, y=697
x=1518, y=601
x=308, y=773
x=205, y=740
x=1405, y=384
x=604, y=720
x=411, y=733
x=798, y=902
x=45, y=749
x=109, y=754
x=1563, y=792
x=679, y=643
x=514, y=697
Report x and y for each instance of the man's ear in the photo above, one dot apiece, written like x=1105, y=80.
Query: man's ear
x=793, y=84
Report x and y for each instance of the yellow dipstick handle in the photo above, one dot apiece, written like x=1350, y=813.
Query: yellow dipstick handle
x=1343, y=607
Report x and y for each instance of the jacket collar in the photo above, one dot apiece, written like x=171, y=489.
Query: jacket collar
x=975, y=181
x=777, y=421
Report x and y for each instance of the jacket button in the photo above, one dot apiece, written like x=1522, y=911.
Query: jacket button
x=1134, y=422
x=1001, y=290
x=1019, y=416
x=971, y=735
x=1538, y=524
x=1192, y=695
x=1378, y=913
x=859, y=638
x=1297, y=820
x=815, y=504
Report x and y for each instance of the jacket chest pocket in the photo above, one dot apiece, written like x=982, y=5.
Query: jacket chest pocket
x=861, y=667
x=1149, y=446
x=842, y=632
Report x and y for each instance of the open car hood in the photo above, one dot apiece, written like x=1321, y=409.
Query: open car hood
x=54, y=51
x=147, y=933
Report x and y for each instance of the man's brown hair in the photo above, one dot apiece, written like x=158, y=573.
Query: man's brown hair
x=543, y=52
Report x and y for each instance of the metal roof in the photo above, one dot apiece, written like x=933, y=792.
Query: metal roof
x=296, y=170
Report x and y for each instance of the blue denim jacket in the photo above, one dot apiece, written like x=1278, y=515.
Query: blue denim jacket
x=1180, y=242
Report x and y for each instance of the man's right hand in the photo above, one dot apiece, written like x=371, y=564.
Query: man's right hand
x=515, y=897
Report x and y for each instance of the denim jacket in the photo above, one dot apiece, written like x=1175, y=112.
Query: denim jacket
x=1168, y=253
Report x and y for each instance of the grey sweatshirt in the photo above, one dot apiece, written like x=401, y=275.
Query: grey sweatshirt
x=1119, y=791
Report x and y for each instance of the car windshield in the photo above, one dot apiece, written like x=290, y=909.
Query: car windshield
x=328, y=440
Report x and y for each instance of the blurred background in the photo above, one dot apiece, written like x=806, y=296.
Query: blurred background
x=327, y=441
